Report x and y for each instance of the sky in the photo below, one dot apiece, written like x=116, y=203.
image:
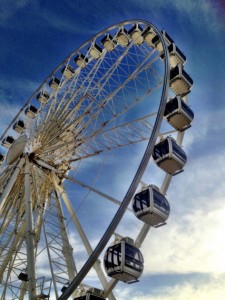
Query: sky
x=185, y=259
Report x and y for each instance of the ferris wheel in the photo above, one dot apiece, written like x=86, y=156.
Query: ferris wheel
x=66, y=160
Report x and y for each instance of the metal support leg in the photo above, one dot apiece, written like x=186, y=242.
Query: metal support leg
x=29, y=234
x=82, y=235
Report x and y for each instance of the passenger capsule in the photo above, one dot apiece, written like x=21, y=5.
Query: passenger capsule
x=95, y=51
x=23, y=276
x=8, y=141
x=136, y=34
x=123, y=261
x=108, y=42
x=2, y=158
x=91, y=294
x=169, y=156
x=19, y=126
x=31, y=111
x=148, y=35
x=54, y=83
x=151, y=207
x=123, y=37
x=176, y=56
x=43, y=97
x=180, y=81
x=178, y=113
x=157, y=42
x=81, y=60
x=68, y=71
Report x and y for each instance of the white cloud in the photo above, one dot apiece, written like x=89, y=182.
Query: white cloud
x=14, y=87
x=212, y=289
x=200, y=11
x=193, y=239
x=12, y=98
x=196, y=245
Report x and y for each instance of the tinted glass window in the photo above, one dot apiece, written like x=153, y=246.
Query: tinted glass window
x=187, y=109
x=93, y=297
x=181, y=54
x=173, y=48
x=141, y=200
x=113, y=256
x=33, y=108
x=171, y=106
x=179, y=152
x=160, y=201
x=133, y=258
x=174, y=72
x=168, y=37
x=187, y=77
x=80, y=298
x=161, y=149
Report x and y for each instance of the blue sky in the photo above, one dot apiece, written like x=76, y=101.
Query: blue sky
x=185, y=259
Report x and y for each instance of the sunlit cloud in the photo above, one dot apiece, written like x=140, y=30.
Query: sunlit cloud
x=193, y=239
x=201, y=290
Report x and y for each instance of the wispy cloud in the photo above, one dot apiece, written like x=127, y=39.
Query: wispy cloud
x=9, y=8
x=201, y=11
x=13, y=89
x=14, y=92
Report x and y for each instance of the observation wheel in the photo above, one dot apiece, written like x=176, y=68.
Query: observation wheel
x=75, y=163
